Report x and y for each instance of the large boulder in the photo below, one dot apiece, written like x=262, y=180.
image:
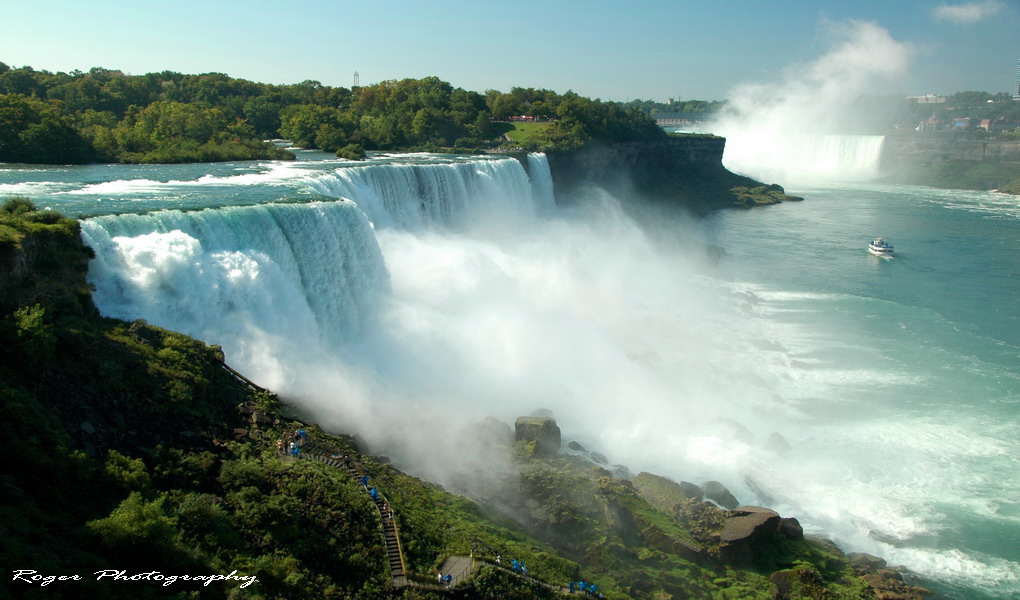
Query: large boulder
x=806, y=580
x=778, y=444
x=496, y=433
x=542, y=432
x=690, y=490
x=866, y=562
x=791, y=528
x=718, y=493
x=745, y=527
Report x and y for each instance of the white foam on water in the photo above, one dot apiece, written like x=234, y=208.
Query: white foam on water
x=270, y=173
x=32, y=188
x=994, y=576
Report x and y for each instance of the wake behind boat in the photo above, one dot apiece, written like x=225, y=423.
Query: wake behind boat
x=880, y=247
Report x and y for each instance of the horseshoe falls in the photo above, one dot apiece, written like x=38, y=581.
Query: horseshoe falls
x=407, y=297
x=798, y=158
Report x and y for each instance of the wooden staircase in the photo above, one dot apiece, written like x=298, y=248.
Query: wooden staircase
x=391, y=537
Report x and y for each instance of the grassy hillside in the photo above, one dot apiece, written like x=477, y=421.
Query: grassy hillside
x=523, y=133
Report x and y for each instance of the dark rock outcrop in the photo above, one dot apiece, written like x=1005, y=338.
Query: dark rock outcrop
x=719, y=494
x=691, y=490
x=806, y=580
x=888, y=584
x=542, y=432
x=791, y=528
x=46, y=266
x=865, y=561
x=743, y=529
x=778, y=444
x=682, y=172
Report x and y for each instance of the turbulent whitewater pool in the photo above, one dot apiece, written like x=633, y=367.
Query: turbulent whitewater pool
x=408, y=295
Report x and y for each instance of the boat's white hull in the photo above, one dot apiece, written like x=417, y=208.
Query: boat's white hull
x=885, y=253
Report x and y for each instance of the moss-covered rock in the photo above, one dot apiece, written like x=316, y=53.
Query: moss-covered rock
x=540, y=431
x=761, y=195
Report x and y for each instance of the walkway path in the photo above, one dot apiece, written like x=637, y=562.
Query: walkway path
x=391, y=538
x=459, y=568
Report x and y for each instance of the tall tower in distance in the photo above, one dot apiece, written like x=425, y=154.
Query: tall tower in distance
x=1016, y=86
x=357, y=80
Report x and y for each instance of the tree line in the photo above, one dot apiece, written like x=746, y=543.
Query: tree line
x=105, y=115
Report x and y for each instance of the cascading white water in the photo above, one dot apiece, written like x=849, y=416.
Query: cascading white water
x=278, y=284
x=301, y=275
x=801, y=158
x=541, y=181
x=412, y=196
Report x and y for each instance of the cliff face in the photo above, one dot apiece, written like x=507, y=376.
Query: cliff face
x=953, y=161
x=926, y=148
x=678, y=172
x=46, y=264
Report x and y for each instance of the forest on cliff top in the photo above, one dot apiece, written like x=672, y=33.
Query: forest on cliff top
x=105, y=115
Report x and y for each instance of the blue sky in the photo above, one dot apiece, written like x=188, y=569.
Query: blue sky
x=648, y=49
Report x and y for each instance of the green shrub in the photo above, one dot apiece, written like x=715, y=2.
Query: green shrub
x=18, y=205
x=351, y=152
x=37, y=339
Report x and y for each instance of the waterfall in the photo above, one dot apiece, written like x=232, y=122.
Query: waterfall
x=787, y=158
x=281, y=283
x=541, y=180
x=303, y=274
x=413, y=196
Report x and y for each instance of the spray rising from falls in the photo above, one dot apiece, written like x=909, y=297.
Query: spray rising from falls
x=442, y=292
x=791, y=131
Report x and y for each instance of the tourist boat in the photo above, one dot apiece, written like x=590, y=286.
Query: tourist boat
x=880, y=247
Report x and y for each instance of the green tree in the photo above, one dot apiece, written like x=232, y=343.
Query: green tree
x=34, y=131
x=36, y=337
x=301, y=123
x=428, y=125
x=23, y=81
x=263, y=112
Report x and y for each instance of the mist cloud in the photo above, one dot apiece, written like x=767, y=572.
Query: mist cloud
x=764, y=123
x=971, y=12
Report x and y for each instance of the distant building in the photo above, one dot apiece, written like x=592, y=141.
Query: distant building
x=931, y=124
x=997, y=125
x=962, y=123
x=928, y=99
x=1016, y=86
x=678, y=119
